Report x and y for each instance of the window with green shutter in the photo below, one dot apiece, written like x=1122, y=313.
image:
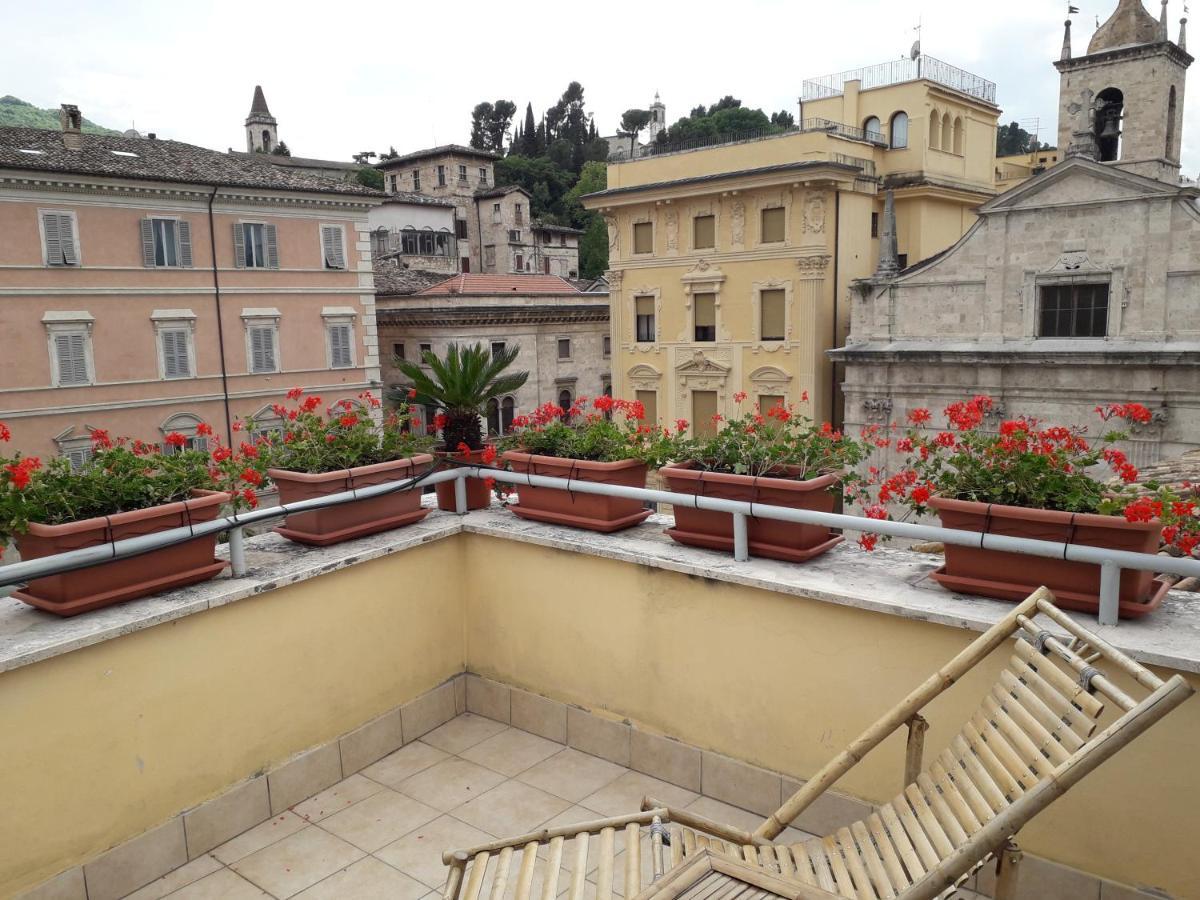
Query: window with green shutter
x=341, y=354
x=166, y=243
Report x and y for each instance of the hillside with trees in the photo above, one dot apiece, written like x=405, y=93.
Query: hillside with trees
x=1012, y=139
x=724, y=118
x=557, y=157
x=15, y=112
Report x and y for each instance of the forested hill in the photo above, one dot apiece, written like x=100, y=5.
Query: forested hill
x=16, y=112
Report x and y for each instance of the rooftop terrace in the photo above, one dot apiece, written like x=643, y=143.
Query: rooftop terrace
x=897, y=71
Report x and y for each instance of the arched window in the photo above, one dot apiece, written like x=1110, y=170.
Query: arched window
x=1109, y=109
x=958, y=135
x=493, y=416
x=1170, y=151
x=898, y=131
x=265, y=423
x=508, y=408
x=935, y=130
x=184, y=424
x=947, y=132
x=564, y=401
x=872, y=129
x=266, y=141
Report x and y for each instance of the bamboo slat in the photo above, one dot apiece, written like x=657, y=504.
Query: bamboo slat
x=927, y=821
x=633, y=860
x=974, y=731
x=604, y=873
x=500, y=879
x=928, y=856
x=854, y=863
x=820, y=864
x=1009, y=757
x=952, y=796
x=872, y=862
x=689, y=842
x=475, y=880
x=676, y=846
x=579, y=866
x=993, y=788
x=656, y=851
x=941, y=809
x=1139, y=673
x=525, y=874
x=804, y=867
x=783, y=860
x=1023, y=746
x=904, y=847
x=887, y=853
x=1044, y=740
x=1067, y=686
x=552, y=868
x=454, y=878
x=1035, y=706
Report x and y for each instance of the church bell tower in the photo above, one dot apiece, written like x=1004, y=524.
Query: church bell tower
x=1122, y=102
x=262, y=134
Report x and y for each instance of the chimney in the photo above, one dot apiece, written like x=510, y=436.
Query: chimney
x=72, y=124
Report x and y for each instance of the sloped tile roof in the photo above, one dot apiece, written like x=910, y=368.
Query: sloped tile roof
x=42, y=150
x=491, y=285
x=443, y=150
x=393, y=281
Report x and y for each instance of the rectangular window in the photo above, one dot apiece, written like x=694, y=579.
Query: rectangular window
x=562, y=240
x=425, y=348
x=564, y=348
x=705, y=307
x=341, y=349
x=465, y=264
x=644, y=311
x=704, y=232
x=332, y=247
x=771, y=305
x=768, y=402
x=255, y=246
x=176, y=360
x=60, y=244
x=643, y=237
x=1073, y=310
x=704, y=411
x=518, y=215
x=70, y=357
x=772, y=225
x=392, y=183
x=416, y=174
x=498, y=348
x=874, y=224
x=441, y=172
x=607, y=344
x=398, y=351
x=462, y=173
x=496, y=216
x=77, y=456
x=514, y=236
x=902, y=260
x=161, y=243
x=649, y=401
x=520, y=263
x=262, y=349
x=460, y=228
x=483, y=179
x=489, y=256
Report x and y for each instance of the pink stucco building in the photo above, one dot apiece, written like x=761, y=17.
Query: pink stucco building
x=148, y=285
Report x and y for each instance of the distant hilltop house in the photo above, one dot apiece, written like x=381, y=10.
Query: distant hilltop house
x=446, y=213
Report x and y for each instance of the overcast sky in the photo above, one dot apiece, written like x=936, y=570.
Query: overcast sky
x=343, y=78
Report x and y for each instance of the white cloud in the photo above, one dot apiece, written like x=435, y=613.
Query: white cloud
x=352, y=78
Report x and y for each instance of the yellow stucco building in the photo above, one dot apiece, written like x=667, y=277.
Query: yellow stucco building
x=731, y=263
x=1016, y=168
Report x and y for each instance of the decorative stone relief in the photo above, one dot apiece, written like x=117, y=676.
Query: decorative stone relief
x=814, y=213
x=672, y=231
x=770, y=380
x=813, y=266
x=614, y=236
x=738, y=225
x=877, y=409
x=644, y=378
x=702, y=373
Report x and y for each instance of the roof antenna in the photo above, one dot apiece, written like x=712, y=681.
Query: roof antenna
x=915, y=52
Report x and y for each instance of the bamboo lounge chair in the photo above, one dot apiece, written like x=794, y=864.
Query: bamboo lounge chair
x=1036, y=734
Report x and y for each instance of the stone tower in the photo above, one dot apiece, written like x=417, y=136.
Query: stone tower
x=261, y=133
x=1126, y=93
x=658, y=118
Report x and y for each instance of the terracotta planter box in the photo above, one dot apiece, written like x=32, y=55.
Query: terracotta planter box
x=1014, y=576
x=479, y=496
x=322, y=527
x=594, y=512
x=789, y=541
x=125, y=579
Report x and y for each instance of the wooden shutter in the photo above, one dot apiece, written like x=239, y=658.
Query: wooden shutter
x=148, y=243
x=771, y=309
x=331, y=244
x=183, y=230
x=66, y=234
x=71, y=350
x=239, y=245
x=78, y=457
x=176, y=363
x=54, y=255
x=272, y=245
x=262, y=348
x=340, y=356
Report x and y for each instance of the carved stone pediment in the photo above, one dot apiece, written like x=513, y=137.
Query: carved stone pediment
x=644, y=378
x=703, y=272
x=769, y=376
x=700, y=364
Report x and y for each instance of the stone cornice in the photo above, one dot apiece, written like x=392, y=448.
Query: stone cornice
x=1117, y=54
x=1137, y=354
x=504, y=315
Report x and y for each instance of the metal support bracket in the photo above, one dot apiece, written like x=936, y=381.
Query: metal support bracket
x=1008, y=865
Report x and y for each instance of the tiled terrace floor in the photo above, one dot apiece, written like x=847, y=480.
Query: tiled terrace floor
x=381, y=832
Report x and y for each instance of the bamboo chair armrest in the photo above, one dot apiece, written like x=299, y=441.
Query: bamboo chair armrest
x=692, y=820
x=545, y=834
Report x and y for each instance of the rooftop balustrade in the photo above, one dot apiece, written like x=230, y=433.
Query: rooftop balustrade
x=898, y=71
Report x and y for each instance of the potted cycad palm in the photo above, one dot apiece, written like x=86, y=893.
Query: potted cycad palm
x=321, y=454
x=459, y=387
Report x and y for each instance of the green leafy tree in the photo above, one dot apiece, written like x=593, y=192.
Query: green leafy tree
x=1012, y=139
x=281, y=149
x=593, y=243
x=633, y=122
x=783, y=119
x=530, y=139
x=724, y=118
x=391, y=154
x=460, y=385
x=370, y=177
x=489, y=124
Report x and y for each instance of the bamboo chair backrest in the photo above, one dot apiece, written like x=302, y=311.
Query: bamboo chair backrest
x=1035, y=734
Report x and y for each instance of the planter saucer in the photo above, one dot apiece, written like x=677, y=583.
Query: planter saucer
x=757, y=548
x=573, y=521
x=324, y=539
x=1073, y=600
x=128, y=592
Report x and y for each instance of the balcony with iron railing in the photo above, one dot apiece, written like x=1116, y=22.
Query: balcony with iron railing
x=898, y=71
x=331, y=715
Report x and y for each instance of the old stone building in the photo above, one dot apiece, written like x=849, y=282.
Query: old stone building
x=562, y=333
x=493, y=226
x=1080, y=286
x=417, y=232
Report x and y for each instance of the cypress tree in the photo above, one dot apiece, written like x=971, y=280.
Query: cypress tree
x=529, y=138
